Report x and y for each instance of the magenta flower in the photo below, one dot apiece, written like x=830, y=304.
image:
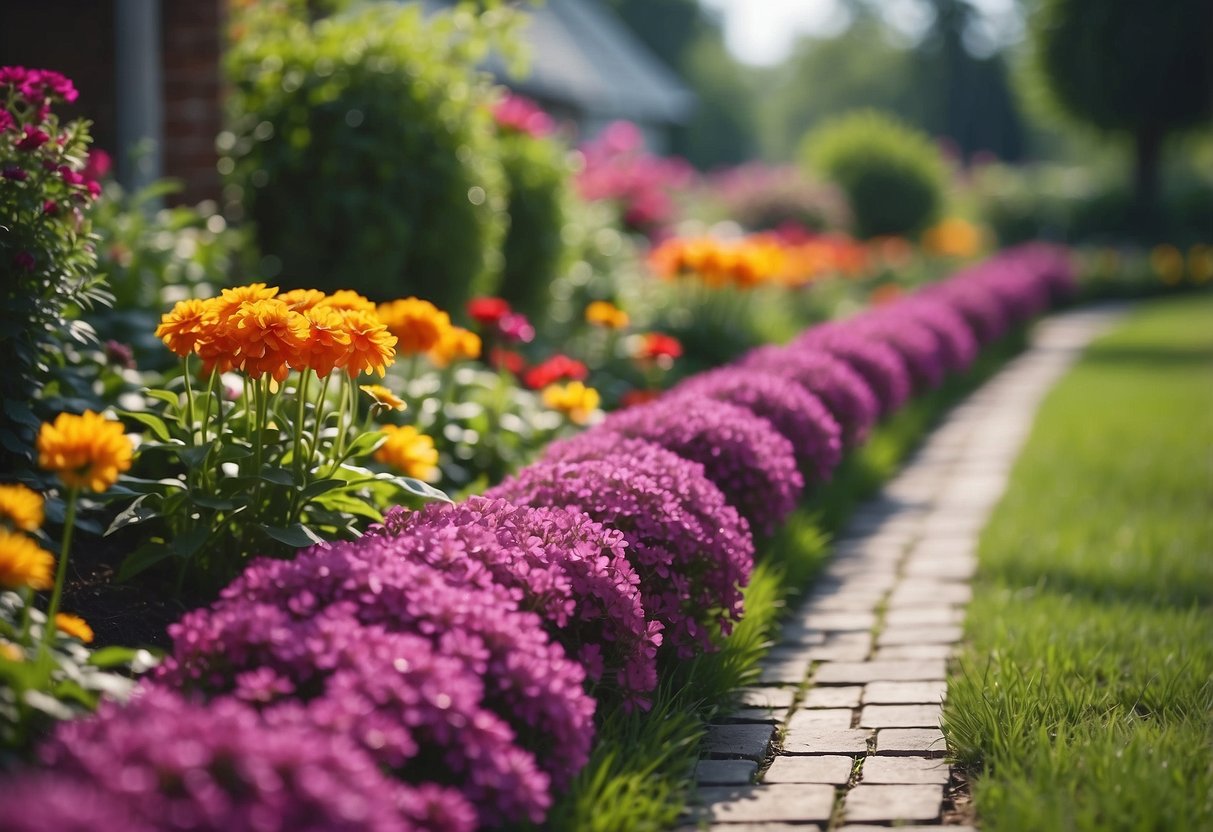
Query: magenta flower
x=881, y=367
x=32, y=139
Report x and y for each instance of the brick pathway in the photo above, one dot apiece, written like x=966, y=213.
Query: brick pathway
x=843, y=733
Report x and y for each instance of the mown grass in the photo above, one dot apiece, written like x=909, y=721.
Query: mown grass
x=1084, y=699
x=641, y=771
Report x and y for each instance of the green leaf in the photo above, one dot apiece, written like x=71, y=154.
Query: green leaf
x=296, y=535
x=141, y=510
x=417, y=488
x=319, y=487
x=108, y=657
x=365, y=443
x=149, y=420
x=143, y=558
x=214, y=502
x=142, y=486
x=278, y=476
x=166, y=396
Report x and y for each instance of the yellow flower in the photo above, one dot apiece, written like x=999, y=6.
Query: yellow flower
x=457, y=344
x=24, y=563
x=21, y=507
x=384, y=398
x=347, y=300
x=182, y=326
x=409, y=451
x=372, y=347
x=74, y=625
x=605, y=314
x=301, y=300
x=86, y=451
x=1168, y=263
x=574, y=399
x=1200, y=263
x=417, y=324
x=11, y=652
x=953, y=237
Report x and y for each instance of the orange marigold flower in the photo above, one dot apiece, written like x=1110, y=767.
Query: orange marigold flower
x=372, y=347
x=301, y=300
x=384, y=399
x=229, y=300
x=410, y=451
x=417, y=324
x=574, y=399
x=457, y=344
x=86, y=451
x=347, y=299
x=24, y=563
x=328, y=342
x=605, y=314
x=182, y=326
x=267, y=335
x=21, y=507
x=953, y=237
x=74, y=625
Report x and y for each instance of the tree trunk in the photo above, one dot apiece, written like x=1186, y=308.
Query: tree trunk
x=1145, y=179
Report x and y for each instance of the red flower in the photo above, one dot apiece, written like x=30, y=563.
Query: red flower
x=557, y=368
x=24, y=261
x=638, y=396
x=509, y=360
x=33, y=138
x=487, y=311
x=658, y=345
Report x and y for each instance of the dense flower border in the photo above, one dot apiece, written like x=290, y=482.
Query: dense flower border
x=464, y=649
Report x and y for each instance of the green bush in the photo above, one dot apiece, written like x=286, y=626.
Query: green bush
x=893, y=174
x=362, y=148
x=535, y=249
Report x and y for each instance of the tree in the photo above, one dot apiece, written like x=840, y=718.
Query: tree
x=1128, y=67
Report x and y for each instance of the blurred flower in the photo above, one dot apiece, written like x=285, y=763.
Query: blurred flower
x=515, y=328
x=86, y=451
x=23, y=563
x=457, y=344
x=885, y=293
x=515, y=112
x=383, y=398
x=606, y=314
x=638, y=396
x=24, y=261
x=487, y=311
x=119, y=354
x=74, y=626
x=97, y=165
x=33, y=138
x=302, y=300
x=1167, y=263
x=503, y=359
x=21, y=507
x=953, y=237
x=417, y=324
x=347, y=299
x=574, y=399
x=408, y=450
x=557, y=368
x=182, y=326
x=659, y=347
x=1200, y=263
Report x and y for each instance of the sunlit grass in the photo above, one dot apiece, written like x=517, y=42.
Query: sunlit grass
x=1085, y=696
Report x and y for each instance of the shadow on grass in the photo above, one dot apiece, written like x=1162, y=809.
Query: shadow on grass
x=1107, y=587
x=1160, y=356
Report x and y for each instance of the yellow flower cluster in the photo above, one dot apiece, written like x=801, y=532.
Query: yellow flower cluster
x=421, y=328
x=21, y=508
x=383, y=398
x=759, y=259
x=75, y=626
x=574, y=399
x=261, y=332
x=953, y=237
x=605, y=314
x=410, y=451
x=23, y=563
x=86, y=451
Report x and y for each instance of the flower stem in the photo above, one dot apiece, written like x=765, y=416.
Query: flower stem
x=69, y=524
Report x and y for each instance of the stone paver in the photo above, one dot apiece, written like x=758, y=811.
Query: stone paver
x=750, y=741
x=905, y=770
x=829, y=697
x=926, y=742
x=899, y=693
x=893, y=803
x=776, y=802
x=725, y=772
x=833, y=769
x=900, y=570
x=899, y=716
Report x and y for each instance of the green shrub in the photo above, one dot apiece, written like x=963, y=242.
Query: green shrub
x=893, y=174
x=535, y=249
x=362, y=148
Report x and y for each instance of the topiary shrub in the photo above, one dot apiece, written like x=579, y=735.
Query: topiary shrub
x=893, y=174
x=535, y=250
x=362, y=148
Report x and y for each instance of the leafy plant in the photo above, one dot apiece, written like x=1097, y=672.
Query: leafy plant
x=892, y=174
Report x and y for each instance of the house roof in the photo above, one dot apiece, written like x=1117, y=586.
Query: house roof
x=583, y=56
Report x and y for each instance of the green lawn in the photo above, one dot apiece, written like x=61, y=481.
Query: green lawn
x=1084, y=700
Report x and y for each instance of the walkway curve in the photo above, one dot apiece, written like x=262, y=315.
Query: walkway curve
x=843, y=731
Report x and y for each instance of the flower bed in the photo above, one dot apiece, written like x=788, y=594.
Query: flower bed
x=466, y=648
